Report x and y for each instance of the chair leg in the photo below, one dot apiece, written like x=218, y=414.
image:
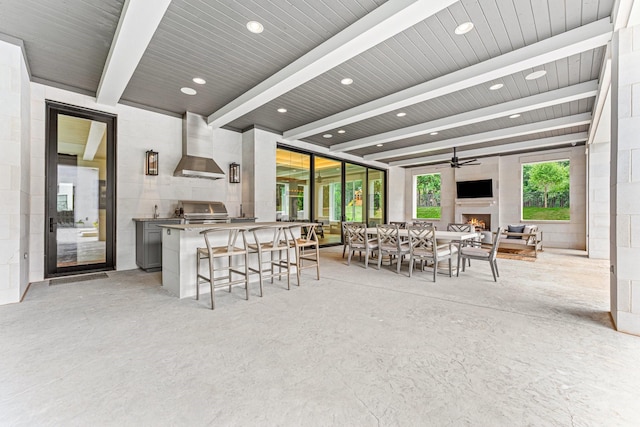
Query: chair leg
x=246, y=273
x=435, y=269
x=411, y=261
x=349, y=257
x=379, y=259
x=213, y=302
x=298, y=264
x=493, y=271
x=458, y=266
x=399, y=262
x=318, y=261
x=366, y=258
x=495, y=263
x=260, y=271
x=449, y=266
x=198, y=276
x=230, y=273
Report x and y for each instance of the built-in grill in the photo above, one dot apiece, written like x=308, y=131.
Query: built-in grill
x=200, y=212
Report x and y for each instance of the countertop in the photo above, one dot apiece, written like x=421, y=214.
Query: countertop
x=155, y=219
x=223, y=226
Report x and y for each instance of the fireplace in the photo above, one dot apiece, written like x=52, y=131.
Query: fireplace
x=481, y=221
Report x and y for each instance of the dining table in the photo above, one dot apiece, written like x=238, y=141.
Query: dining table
x=441, y=235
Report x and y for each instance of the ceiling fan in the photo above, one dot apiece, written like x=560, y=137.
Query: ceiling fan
x=456, y=163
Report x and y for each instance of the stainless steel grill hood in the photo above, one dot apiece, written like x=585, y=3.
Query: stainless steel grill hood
x=197, y=138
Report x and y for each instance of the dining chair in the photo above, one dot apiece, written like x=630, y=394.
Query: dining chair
x=464, y=228
x=424, y=224
x=482, y=254
x=359, y=240
x=390, y=243
x=229, y=251
x=400, y=224
x=345, y=237
x=423, y=247
x=301, y=244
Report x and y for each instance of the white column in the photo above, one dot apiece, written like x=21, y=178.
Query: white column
x=599, y=155
x=259, y=174
x=14, y=173
x=625, y=180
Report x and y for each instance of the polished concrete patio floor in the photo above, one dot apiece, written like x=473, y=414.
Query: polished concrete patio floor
x=358, y=347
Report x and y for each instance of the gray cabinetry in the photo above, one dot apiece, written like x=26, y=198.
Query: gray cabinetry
x=149, y=242
x=242, y=219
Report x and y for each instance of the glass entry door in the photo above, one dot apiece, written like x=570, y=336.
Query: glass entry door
x=80, y=179
x=328, y=199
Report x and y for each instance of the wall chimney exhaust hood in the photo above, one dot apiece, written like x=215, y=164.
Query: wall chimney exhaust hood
x=197, y=140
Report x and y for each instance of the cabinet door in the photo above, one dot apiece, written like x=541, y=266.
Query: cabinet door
x=153, y=247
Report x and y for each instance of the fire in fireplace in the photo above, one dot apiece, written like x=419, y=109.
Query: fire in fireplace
x=480, y=221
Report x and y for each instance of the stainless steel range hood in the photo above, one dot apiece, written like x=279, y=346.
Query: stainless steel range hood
x=197, y=138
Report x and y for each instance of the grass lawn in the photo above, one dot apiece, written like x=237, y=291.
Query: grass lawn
x=428, y=212
x=545, y=214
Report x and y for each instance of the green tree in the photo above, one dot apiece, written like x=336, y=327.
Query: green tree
x=427, y=184
x=549, y=178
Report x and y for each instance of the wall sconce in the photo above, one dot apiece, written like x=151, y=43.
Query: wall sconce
x=151, y=164
x=234, y=173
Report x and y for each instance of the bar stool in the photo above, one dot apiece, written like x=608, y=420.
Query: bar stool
x=212, y=253
x=278, y=243
x=299, y=244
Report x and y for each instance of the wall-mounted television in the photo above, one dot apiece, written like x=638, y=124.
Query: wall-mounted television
x=474, y=189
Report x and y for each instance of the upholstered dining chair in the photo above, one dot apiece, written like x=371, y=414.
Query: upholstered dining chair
x=358, y=240
x=482, y=254
x=423, y=247
x=390, y=243
x=424, y=223
x=400, y=224
x=464, y=228
x=345, y=237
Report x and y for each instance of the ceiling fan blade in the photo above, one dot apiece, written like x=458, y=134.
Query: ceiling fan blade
x=468, y=161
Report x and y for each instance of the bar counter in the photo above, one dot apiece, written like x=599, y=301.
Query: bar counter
x=179, y=244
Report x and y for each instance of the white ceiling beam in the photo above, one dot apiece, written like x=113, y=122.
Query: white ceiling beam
x=572, y=42
x=478, y=138
x=96, y=133
x=603, y=91
x=384, y=22
x=138, y=22
x=502, y=149
x=517, y=106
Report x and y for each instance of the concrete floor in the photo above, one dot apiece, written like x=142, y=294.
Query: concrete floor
x=359, y=347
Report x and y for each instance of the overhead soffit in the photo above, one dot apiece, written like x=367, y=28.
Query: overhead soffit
x=197, y=38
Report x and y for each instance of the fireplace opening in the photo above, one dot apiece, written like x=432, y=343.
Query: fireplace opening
x=480, y=221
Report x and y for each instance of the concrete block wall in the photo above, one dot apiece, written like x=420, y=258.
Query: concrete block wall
x=625, y=180
x=14, y=173
x=598, y=200
x=137, y=194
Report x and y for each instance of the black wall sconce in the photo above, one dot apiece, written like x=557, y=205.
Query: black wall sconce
x=151, y=164
x=234, y=173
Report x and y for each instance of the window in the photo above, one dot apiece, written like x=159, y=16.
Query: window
x=426, y=190
x=545, y=191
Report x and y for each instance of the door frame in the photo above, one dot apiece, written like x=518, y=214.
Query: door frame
x=53, y=109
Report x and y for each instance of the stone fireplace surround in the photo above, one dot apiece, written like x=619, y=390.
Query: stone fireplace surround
x=485, y=209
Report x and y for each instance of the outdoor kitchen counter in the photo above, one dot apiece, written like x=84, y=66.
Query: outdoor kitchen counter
x=179, y=244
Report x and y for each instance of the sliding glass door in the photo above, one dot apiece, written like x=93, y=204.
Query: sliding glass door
x=328, y=198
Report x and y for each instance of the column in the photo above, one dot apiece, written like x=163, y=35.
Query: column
x=625, y=180
x=259, y=174
x=599, y=155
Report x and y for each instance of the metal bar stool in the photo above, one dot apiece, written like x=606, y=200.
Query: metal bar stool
x=229, y=251
x=279, y=242
x=300, y=244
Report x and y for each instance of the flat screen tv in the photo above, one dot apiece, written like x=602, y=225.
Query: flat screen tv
x=474, y=189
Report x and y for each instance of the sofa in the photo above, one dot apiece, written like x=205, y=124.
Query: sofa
x=525, y=237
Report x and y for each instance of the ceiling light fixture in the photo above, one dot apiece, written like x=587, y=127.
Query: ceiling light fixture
x=464, y=28
x=282, y=110
x=433, y=133
x=536, y=75
x=514, y=116
x=401, y=114
x=378, y=145
x=199, y=80
x=327, y=135
x=188, y=91
x=255, y=27
x=496, y=86
x=341, y=131
x=346, y=81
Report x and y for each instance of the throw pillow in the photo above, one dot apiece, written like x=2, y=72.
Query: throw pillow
x=515, y=229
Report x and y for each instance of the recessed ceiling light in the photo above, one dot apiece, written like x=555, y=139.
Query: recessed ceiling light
x=536, y=75
x=496, y=86
x=255, y=27
x=464, y=28
x=199, y=80
x=341, y=131
x=378, y=145
x=188, y=91
x=282, y=110
x=401, y=114
x=346, y=81
x=514, y=116
x=433, y=133
x=327, y=135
